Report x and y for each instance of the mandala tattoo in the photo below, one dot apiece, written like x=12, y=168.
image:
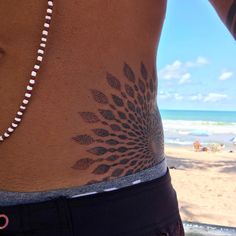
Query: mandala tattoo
x=129, y=135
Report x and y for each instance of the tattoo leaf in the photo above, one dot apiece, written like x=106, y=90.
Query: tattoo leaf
x=128, y=72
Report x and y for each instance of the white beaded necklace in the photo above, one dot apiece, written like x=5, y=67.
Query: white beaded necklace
x=32, y=81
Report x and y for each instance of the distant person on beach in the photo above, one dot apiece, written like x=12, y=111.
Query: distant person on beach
x=84, y=152
x=197, y=145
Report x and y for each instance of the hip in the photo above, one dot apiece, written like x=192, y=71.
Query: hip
x=149, y=208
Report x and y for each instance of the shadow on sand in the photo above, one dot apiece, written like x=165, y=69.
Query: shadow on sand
x=184, y=163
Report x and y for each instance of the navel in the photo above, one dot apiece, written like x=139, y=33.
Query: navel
x=2, y=53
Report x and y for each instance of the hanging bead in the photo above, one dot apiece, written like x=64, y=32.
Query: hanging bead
x=34, y=72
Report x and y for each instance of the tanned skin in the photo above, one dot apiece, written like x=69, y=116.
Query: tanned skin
x=227, y=12
x=93, y=115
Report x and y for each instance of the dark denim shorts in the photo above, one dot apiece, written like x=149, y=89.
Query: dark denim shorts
x=145, y=209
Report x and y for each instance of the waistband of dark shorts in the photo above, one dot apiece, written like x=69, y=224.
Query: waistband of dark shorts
x=134, y=208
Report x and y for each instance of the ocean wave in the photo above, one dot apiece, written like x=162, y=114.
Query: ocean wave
x=199, y=128
x=178, y=141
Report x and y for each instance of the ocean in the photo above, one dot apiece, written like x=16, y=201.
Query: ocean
x=183, y=127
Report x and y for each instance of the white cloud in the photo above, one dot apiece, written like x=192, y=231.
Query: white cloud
x=201, y=61
x=197, y=97
x=178, y=97
x=210, y=97
x=215, y=97
x=172, y=71
x=164, y=95
x=185, y=78
x=225, y=75
x=178, y=70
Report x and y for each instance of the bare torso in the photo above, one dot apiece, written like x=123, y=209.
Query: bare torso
x=93, y=115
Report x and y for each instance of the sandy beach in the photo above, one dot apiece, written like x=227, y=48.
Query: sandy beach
x=205, y=183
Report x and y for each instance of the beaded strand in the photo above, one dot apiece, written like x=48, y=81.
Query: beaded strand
x=29, y=88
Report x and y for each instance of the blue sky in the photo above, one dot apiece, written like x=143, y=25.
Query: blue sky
x=196, y=59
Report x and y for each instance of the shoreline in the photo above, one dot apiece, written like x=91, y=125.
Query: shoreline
x=205, y=183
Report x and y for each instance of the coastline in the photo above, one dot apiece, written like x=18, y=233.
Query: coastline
x=205, y=183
